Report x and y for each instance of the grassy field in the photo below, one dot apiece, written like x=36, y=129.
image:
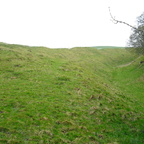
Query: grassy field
x=70, y=96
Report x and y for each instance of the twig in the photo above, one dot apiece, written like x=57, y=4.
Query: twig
x=115, y=21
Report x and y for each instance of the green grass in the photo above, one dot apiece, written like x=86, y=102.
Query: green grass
x=77, y=96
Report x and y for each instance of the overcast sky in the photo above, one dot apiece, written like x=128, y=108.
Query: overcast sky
x=67, y=23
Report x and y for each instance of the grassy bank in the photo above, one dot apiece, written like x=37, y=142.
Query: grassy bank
x=77, y=95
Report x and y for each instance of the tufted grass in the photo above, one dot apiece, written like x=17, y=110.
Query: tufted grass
x=77, y=96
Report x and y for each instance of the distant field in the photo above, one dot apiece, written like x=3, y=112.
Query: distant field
x=105, y=47
x=102, y=47
x=70, y=96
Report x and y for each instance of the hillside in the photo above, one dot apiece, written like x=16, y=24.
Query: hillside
x=76, y=96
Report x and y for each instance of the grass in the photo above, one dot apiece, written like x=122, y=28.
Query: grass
x=77, y=96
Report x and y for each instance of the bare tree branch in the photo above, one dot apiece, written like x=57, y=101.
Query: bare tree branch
x=136, y=39
x=115, y=21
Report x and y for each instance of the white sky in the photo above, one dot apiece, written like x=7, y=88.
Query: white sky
x=67, y=23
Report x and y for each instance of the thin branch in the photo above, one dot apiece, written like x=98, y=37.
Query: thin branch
x=137, y=30
x=115, y=21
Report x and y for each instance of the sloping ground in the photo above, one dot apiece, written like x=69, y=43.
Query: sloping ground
x=69, y=96
x=130, y=78
x=129, y=63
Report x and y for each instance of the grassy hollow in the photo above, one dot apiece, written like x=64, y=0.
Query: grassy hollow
x=75, y=96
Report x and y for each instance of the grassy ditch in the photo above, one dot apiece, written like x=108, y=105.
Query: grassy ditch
x=77, y=95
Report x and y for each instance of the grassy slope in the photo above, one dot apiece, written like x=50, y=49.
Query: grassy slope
x=74, y=95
